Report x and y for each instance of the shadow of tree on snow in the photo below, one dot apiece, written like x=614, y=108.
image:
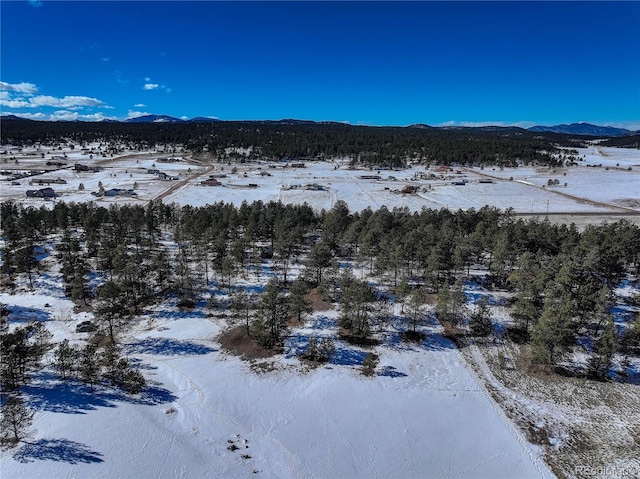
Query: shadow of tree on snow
x=59, y=450
x=21, y=314
x=73, y=397
x=346, y=356
x=167, y=347
x=391, y=372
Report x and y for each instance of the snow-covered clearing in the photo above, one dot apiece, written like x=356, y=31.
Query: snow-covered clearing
x=423, y=415
x=606, y=182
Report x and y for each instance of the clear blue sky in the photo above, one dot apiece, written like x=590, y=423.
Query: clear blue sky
x=375, y=63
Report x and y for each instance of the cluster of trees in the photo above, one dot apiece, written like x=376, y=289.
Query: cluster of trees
x=631, y=141
x=21, y=354
x=94, y=365
x=288, y=139
x=563, y=279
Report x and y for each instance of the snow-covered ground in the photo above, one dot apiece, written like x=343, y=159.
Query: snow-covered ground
x=612, y=188
x=423, y=415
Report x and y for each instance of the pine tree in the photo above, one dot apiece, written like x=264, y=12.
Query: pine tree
x=417, y=300
x=554, y=333
x=272, y=315
x=16, y=417
x=298, y=303
x=133, y=381
x=402, y=291
x=65, y=359
x=111, y=309
x=480, y=318
x=603, y=351
x=356, y=305
x=370, y=363
x=109, y=360
x=319, y=259
x=89, y=366
x=451, y=303
x=241, y=305
x=21, y=351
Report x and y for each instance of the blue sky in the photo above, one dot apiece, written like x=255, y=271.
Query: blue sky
x=374, y=63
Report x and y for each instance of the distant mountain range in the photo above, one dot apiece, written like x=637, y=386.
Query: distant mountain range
x=168, y=119
x=585, y=129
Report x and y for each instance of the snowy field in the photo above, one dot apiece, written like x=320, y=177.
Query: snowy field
x=605, y=182
x=423, y=415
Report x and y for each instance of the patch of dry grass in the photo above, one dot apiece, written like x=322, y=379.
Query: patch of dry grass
x=583, y=425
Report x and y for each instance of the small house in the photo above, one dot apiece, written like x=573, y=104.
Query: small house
x=41, y=193
x=210, y=182
x=48, y=181
x=119, y=192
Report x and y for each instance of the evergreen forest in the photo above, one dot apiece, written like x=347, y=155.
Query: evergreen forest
x=119, y=260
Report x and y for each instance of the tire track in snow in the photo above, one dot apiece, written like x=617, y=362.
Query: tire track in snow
x=539, y=464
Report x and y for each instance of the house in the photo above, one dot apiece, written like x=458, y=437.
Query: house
x=48, y=181
x=409, y=190
x=119, y=192
x=210, y=182
x=165, y=177
x=41, y=193
x=315, y=187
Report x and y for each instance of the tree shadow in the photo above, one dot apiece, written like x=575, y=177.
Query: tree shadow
x=50, y=284
x=629, y=375
x=437, y=342
x=26, y=315
x=175, y=312
x=59, y=450
x=391, y=372
x=73, y=397
x=295, y=345
x=323, y=322
x=347, y=356
x=432, y=341
x=67, y=397
x=167, y=347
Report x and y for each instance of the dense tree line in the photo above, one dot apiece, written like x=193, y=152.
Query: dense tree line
x=562, y=279
x=290, y=139
x=631, y=141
